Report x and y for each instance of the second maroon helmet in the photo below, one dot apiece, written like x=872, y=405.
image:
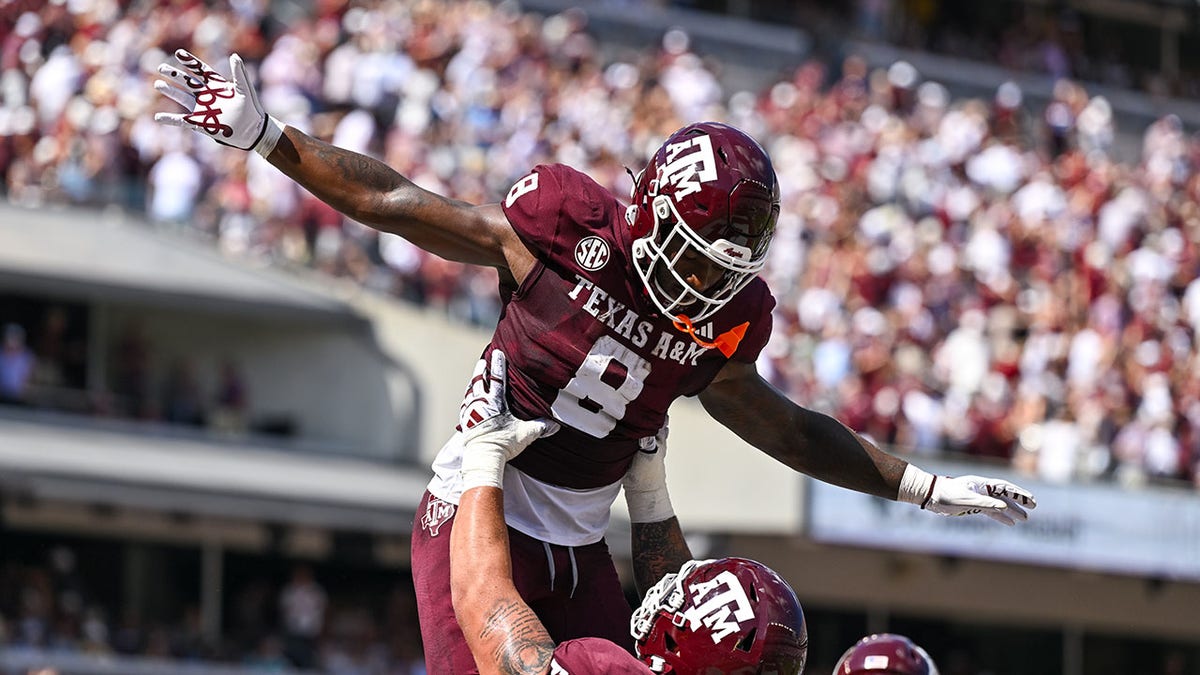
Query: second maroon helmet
x=885, y=654
x=731, y=616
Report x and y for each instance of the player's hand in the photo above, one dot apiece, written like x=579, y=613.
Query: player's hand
x=491, y=435
x=966, y=495
x=229, y=112
x=645, y=483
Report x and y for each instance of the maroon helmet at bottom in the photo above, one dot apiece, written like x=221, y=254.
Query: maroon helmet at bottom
x=885, y=654
x=731, y=616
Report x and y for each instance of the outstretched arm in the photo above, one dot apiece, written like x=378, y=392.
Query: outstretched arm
x=805, y=440
x=822, y=447
x=374, y=194
x=363, y=188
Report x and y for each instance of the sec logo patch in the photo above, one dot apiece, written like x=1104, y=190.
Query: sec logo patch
x=592, y=253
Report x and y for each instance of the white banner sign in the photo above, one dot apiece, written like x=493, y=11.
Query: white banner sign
x=1150, y=532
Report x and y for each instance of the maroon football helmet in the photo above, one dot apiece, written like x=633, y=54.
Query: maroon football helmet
x=721, y=617
x=885, y=654
x=711, y=194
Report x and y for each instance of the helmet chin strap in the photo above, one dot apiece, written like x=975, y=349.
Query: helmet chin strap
x=726, y=342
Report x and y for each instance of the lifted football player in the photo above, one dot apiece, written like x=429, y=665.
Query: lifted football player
x=611, y=312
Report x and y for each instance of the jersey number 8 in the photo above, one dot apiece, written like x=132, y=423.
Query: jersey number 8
x=610, y=376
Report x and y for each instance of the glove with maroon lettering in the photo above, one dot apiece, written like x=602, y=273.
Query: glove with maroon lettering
x=491, y=435
x=966, y=495
x=228, y=112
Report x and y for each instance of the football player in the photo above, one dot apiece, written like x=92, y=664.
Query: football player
x=611, y=312
x=885, y=654
x=711, y=616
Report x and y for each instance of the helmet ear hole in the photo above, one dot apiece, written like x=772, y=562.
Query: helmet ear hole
x=747, y=641
x=670, y=643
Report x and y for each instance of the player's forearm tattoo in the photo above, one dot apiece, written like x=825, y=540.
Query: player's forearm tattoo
x=658, y=549
x=361, y=187
x=354, y=168
x=522, y=644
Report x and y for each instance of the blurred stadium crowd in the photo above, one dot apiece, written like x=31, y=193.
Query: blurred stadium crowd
x=948, y=279
x=953, y=275
x=968, y=276
x=1059, y=40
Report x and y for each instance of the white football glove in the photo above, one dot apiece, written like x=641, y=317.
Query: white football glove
x=965, y=495
x=229, y=112
x=491, y=435
x=645, y=483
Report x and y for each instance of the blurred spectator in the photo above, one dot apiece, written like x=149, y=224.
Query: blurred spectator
x=181, y=398
x=188, y=640
x=302, y=605
x=61, y=353
x=16, y=366
x=229, y=410
x=174, y=181
x=268, y=656
x=131, y=372
x=253, y=613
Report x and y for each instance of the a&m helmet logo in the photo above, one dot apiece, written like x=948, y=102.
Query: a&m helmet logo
x=719, y=603
x=592, y=253
x=689, y=163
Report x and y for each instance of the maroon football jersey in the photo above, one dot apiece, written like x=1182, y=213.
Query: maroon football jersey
x=584, y=343
x=595, y=656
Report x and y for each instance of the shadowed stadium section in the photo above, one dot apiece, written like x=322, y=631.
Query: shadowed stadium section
x=316, y=375
x=58, y=459
x=89, y=255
